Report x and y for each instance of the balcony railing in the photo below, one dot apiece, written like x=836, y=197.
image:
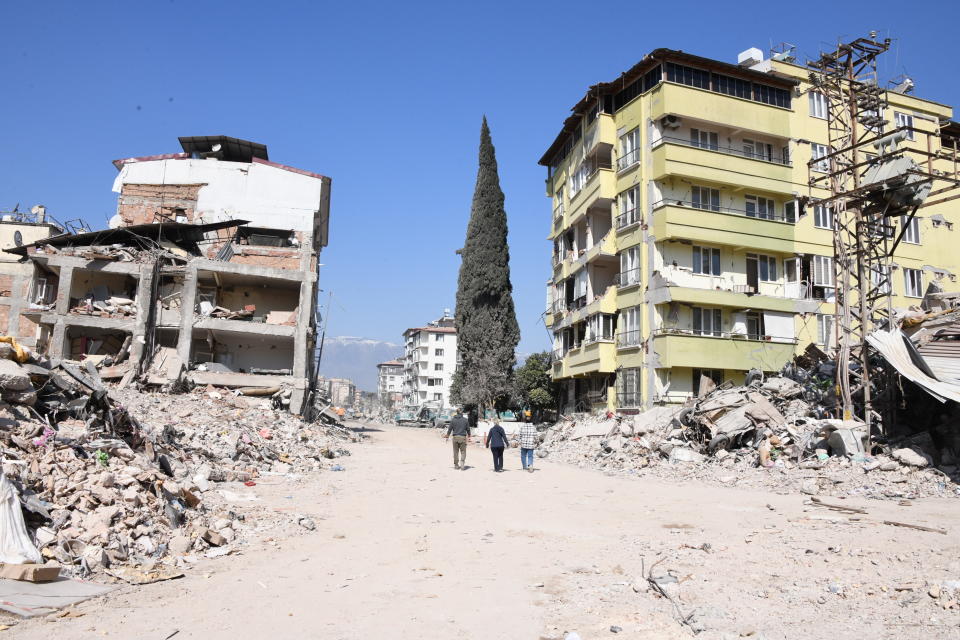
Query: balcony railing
x=628, y=159
x=717, y=208
x=627, y=278
x=628, y=218
x=628, y=338
x=733, y=151
x=724, y=334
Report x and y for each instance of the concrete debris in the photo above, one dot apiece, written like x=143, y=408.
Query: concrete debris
x=121, y=478
x=742, y=434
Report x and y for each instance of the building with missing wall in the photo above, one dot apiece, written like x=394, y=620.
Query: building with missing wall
x=209, y=271
x=687, y=240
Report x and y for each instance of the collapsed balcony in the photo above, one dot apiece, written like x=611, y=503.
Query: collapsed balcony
x=104, y=295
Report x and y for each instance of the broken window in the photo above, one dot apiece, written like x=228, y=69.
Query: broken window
x=913, y=283
x=264, y=237
x=714, y=374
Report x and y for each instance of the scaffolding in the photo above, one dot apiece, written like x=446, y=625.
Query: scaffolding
x=873, y=179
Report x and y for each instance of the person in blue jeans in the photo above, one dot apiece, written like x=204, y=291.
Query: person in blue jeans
x=528, y=442
x=496, y=440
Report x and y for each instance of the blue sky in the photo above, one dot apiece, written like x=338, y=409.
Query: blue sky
x=386, y=99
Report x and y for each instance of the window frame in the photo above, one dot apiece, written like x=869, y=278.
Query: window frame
x=715, y=266
x=624, y=160
x=819, y=212
x=712, y=316
x=818, y=105
x=907, y=277
x=911, y=235
x=818, y=151
x=710, y=203
x=903, y=119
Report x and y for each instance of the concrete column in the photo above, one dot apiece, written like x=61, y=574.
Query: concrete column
x=63, y=290
x=188, y=298
x=58, y=340
x=18, y=298
x=143, y=302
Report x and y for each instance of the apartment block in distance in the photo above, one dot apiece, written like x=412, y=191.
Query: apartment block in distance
x=429, y=362
x=687, y=241
x=390, y=383
x=209, y=271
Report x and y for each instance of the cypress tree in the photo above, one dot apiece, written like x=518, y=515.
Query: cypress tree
x=487, y=330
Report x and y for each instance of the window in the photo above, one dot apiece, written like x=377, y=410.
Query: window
x=755, y=328
x=791, y=269
x=880, y=277
x=558, y=205
x=704, y=139
x=629, y=149
x=706, y=260
x=438, y=396
x=825, y=335
x=600, y=326
x=790, y=211
x=438, y=366
x=818, y=151
x=912, y=233
x=766, y=267
x=628, y=388
x=823, y=271
x=435, y=382
x=438, y=352
x=913, y=283
x=904, y=120
x=728, y=85
x=706, y=322
x=627, y=203
x=818, y=104
x=714, y=374
x=629, y=267
x=759, y=207
x=758, y=150
x=822, y=216
x=629, y=327
x=438, y=337
x=579, y=178
x=705, y=198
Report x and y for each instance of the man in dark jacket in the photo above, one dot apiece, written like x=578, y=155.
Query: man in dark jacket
x=497, y=441
x=460, y=428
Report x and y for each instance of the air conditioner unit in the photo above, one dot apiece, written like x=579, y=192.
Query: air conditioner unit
x=670, y=122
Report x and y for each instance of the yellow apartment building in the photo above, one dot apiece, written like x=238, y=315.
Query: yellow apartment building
x=686, y=238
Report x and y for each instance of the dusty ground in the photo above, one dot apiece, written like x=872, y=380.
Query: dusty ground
x=406, y=547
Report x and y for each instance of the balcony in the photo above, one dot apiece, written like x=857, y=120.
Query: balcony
x=679, y=219
x=580, y=308
x=676, y=157
x=721, y=350
x=773, y=158
x=599, y=188
x=721, y=298
x=628, y=219
x=602, y=131
x=739, y=113
x=598, y=356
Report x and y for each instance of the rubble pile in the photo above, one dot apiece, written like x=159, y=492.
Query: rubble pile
x=764, y=434
x=122, y=481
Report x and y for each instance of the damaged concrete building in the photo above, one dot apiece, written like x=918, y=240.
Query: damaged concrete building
x=209, y=271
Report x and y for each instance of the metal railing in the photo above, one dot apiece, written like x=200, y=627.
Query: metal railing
x=704, y=333
x=733, y=151
x=717, y=208
x=628, y=218
x=628, y=338
x=627, y=278
x=628, y=159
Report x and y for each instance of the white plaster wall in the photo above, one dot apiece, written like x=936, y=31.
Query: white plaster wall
x=267, y=196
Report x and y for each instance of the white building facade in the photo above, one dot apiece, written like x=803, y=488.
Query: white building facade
x=390, y=383
x=429, y=362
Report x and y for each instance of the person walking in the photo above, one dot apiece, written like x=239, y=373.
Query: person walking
x=496, y=440
x=528, y=442
x=460, y=428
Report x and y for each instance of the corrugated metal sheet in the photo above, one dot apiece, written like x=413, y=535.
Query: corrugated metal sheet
x=896, y=349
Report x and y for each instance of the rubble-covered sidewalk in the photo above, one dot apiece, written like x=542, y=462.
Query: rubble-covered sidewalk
x=138, y=485
x=769, y=433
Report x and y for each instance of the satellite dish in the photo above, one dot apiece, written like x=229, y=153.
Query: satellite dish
x=18, y=237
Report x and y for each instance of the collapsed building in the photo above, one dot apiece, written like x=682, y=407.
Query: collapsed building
x=208, y=274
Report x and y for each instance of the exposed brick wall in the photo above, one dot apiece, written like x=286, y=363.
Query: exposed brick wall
x=277, y=261
x=27, y=328
x=6, y=285
x=146, y=203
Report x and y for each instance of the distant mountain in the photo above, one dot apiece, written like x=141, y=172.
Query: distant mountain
x=356, y=359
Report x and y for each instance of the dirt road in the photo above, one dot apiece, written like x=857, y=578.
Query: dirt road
x=407, y=547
